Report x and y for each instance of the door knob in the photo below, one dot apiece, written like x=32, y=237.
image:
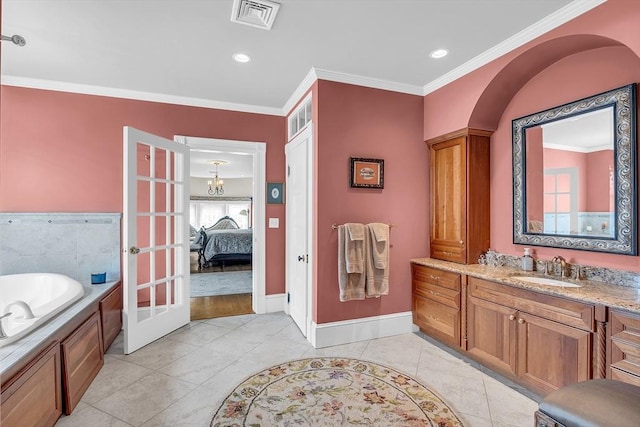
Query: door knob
x=512, y=317
x=521, y=321
x=134, y=251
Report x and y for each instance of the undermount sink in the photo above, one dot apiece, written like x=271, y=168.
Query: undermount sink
x=546, y=281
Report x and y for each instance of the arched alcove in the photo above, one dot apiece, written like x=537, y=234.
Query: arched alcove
x=503, y=87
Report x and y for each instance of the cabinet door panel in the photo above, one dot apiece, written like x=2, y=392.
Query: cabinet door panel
x=82, y=358
x=491, y=334
x=34, y=399
x=552, y=355
x=111, y=316
x=449, y=195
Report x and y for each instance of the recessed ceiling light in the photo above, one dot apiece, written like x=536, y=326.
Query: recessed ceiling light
x=241, y=57
x=439, y=53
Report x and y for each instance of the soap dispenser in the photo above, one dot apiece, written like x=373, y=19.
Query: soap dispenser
x=527, y=260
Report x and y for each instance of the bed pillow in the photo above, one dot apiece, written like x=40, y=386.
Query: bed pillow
x=225, y=223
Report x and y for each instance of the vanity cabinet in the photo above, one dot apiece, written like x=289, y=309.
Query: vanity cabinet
x=459, y=195
x=542, y=341
x=437, y=303
x=34, y=397
x=623, y=346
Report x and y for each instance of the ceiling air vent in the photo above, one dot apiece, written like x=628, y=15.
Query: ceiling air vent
x=257, y=13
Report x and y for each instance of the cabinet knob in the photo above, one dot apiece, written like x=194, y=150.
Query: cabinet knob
x=512, y=317
x=521, y=321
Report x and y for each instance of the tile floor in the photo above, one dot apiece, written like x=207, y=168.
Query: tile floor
x=181, y=379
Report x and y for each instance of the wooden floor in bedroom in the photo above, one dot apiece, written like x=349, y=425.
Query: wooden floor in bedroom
x=220, y=306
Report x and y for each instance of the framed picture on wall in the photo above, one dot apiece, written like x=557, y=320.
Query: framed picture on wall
x=275, y=193
x=366, y=173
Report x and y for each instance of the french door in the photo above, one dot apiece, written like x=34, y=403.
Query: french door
x=156, y=237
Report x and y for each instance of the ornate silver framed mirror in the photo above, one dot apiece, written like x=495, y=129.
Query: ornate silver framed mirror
x=574, y=175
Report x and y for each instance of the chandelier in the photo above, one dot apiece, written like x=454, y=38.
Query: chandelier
x=215, y=185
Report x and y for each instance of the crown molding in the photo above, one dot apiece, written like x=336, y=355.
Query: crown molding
x=554, y=20
x=561, y=16
x=353, y=79
x=299, y=92
x=134, y=94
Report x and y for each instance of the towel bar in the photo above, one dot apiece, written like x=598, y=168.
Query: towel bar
x=335, y=226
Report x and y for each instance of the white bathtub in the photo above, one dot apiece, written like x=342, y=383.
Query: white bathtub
x=46, y=294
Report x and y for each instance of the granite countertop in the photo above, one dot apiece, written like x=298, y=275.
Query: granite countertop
x=610, y=294
x=12, y=353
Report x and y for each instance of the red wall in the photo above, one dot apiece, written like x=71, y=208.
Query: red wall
x=62, y=152
x=593, y=53
x=354, y=121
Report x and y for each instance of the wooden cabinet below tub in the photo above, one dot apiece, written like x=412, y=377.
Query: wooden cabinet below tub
x=623, y=346
x=437, y=303
x=111, y=316
x=33, y=398
x=82, y=358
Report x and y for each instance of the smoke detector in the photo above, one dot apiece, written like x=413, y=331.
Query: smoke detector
x=257, y=13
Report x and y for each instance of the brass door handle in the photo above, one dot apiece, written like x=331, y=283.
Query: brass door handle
x=134, y=251
x=512, y=317
x=521, y=321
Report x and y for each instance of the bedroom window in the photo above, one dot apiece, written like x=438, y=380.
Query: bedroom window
x=205, y=213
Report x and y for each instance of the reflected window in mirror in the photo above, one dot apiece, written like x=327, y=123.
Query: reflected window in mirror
x=574, y=175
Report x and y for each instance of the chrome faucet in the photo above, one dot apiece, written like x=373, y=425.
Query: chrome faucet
x=3, y=334
x=563, y=265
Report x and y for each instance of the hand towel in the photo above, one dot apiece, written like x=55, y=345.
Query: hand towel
x=352, y=285
x=379, y=244
x=377, y=261
x=354, y=247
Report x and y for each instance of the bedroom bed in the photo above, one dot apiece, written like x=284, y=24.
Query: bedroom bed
x=224, y=243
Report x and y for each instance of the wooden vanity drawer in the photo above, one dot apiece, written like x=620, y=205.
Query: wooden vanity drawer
x=442, y=295
x=568, y=312
x=446, y=279
x=624, y=346
x=437, y=320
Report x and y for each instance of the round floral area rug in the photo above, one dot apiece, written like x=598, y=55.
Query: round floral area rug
x=332, y=392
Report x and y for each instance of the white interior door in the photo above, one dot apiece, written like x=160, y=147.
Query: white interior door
x=156, y=237
x=299, y=194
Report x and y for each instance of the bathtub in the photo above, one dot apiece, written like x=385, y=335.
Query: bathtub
x=42, y=295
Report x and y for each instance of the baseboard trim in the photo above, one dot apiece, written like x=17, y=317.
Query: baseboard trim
x=274, y=303
x=348, y=331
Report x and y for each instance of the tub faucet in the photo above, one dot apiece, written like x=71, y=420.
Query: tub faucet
x=3, y=334
x=28, y=314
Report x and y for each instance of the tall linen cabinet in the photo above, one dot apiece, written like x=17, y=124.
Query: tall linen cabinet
x=460, y=197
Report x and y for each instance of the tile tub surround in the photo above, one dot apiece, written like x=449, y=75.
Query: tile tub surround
x=14, y=353
x=73, y=244
x=592, y=291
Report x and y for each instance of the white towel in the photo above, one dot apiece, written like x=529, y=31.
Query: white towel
x=351, y=284
x=377, y=261
x=355, y=248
